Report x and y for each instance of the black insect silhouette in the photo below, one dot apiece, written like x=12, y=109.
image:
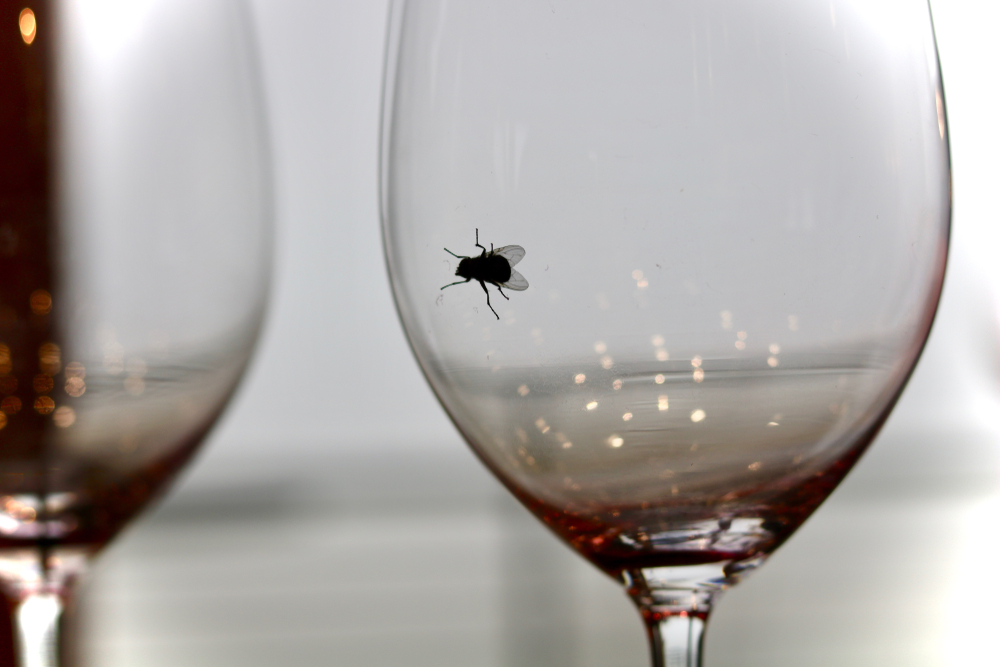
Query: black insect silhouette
x=495, y=267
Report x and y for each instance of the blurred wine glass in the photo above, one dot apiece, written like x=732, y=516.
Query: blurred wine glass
x=134, y=264
x=733, y=217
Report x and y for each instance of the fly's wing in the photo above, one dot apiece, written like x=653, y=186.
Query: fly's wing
x=512, y=253
x=517, y=281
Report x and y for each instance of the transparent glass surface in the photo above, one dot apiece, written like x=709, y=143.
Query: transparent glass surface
x=734, y=217
x=134, y=265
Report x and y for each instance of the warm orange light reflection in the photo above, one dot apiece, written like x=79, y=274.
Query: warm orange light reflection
x=3, y=420
x=10, y=405
x=49, y=358
x=26, y=22
x=42, y=384
x=5, y=366
x=41, y=302
x=44, y=405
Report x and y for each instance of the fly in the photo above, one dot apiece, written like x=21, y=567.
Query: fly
x=495, y=267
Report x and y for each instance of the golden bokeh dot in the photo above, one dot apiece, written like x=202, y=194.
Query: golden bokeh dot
x=49, y=358
x=41, y=302
x=42, y=383
x=44, y=405
x=3, y=420
x=11, y=405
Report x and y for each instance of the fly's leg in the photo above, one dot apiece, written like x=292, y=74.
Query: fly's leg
x=458, y=282
x=488, y=298
x=483, y=247
x=454, y=255
x=502, y=294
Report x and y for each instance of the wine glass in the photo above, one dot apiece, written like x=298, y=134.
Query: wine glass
x=134, y=264
x=733, y=217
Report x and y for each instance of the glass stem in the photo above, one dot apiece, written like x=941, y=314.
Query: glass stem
x=38, y=585
x=675, y=640
x=37, y=626
x=675, y=603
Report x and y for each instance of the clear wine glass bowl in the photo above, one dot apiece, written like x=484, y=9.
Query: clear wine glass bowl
x=134, y=262
x=735, y=218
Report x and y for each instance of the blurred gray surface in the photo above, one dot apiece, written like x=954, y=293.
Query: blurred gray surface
x=336, y=519
x=402, y=560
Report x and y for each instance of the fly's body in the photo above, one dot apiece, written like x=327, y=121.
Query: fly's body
x=495, y=267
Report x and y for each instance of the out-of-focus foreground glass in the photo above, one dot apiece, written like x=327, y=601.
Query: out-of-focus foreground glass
x=733, y=216
x=134, y=264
